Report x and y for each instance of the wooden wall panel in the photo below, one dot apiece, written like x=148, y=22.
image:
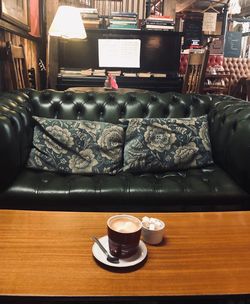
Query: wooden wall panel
x=31, y=52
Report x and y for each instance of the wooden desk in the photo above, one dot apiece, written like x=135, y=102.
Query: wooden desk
x=49, y=254
x=169, y=84
x=102, y=89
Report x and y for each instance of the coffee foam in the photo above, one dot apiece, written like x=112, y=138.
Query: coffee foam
x=124, y=225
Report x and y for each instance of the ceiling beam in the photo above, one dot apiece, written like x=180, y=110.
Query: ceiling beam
x=169, y=8
x=184, y=4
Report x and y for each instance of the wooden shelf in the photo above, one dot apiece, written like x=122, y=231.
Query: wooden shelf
x=212, y=88
x=217, y=76
x=216, y=88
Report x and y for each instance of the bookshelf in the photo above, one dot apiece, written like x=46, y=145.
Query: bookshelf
x=217, y=84
x=159, y=56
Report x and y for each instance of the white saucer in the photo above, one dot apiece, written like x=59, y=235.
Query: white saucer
x=135, y=259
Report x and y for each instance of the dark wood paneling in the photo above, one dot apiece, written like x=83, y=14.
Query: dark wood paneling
x=30, y=47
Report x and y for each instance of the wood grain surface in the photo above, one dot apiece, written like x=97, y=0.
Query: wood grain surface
x=49, y=254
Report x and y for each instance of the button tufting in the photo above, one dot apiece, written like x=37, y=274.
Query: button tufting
x=195, y=100
x=223, y=118
x=132, y=97
x=235, y=125
x=122, y=111
x=175, y=98
x=111, y=97
x=101, y=110
x=166, y=112
x=187, y=112
x=154, y=98
x=90, y=96
x=46, y=95
x=69, y=95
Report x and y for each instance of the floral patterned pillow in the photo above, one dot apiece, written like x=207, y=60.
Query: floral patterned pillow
x=76, y=146
x=162, y=144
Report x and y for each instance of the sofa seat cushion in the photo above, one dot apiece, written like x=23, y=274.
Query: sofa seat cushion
x=197, y=189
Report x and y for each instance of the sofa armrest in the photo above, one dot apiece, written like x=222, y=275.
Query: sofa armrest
x=15, y=135
x=229, y=127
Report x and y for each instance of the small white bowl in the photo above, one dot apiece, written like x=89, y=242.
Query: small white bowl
x=153, y=237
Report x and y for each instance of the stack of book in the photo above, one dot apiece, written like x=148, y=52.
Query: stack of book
x=90, y=18
x=123, y=20
x=144, y=74
x=101, y=72
x=114, y=73
x=160, y=23
x=129, y=74
x=75, y=73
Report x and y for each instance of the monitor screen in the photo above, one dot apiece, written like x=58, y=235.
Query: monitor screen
x=121, y=53
x=159, y=51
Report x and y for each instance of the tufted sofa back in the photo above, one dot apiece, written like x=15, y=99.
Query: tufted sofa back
x=16, y=110
x=238, y=68
x=111, y=106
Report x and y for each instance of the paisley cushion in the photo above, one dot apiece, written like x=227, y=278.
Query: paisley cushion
x=162, y=144
x=76, y=146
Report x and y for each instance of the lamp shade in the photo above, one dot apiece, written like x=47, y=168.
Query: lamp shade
x=68, y=23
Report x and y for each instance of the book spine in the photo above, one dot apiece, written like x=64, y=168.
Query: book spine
x=123, y=18
x=165, y=27
x=126, y=14
x=161, y=17
x=122, y=22
x=159, y=22
x=88, y=11
x=122, y=26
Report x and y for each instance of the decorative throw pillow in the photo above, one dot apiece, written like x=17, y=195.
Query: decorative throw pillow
x=161, y=144
x=76, y=146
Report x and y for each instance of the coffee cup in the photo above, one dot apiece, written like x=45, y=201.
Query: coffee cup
x=124, y=232
x=152, y=230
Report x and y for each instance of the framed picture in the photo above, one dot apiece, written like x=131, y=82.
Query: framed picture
x=16, y=12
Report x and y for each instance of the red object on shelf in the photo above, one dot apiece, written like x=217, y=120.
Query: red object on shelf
x=112, y=82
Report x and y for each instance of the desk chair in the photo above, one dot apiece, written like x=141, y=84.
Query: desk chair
x=18, y=66
x=196, y=69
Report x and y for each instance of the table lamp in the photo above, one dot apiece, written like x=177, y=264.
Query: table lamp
x=67, y=23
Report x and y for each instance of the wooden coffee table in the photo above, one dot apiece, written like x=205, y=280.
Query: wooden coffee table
x=48, y=254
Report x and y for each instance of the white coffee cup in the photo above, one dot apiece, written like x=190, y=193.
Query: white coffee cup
x=153, y=236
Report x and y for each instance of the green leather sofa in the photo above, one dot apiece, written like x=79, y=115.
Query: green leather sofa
x=224, y=185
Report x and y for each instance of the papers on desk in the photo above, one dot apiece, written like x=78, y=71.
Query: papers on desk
x=145, y=75
x=114, y=73
x=81, y=73
x=129, y=74
x=99, y=72
x=75, y=73
x=159, y=75
x=86, y=72
x=103, y=73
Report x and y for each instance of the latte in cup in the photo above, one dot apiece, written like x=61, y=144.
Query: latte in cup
x=124, y=224
x=124, y=233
